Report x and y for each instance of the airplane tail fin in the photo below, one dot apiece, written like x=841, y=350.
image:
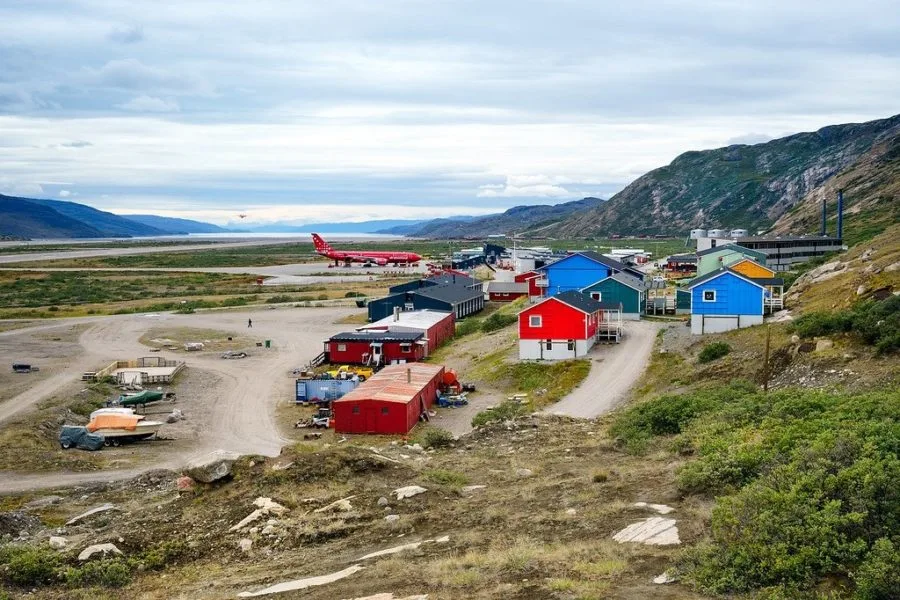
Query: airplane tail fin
x=321, y=245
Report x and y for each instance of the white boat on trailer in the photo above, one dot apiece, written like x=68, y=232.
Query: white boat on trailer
x=120, y=427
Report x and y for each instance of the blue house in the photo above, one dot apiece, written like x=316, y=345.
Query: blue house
x=725, y=300
x=579, y=270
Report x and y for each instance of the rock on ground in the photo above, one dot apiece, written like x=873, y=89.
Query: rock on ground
x=212, y=467
x=663, y=578
x=660, y=508
x=57, y=542
x=409, y=491
x=654, y=531
x=15, y=522
x=102, y=549
x=302, y=584
x=265, y=506
x=93, y=511
x=245, y=544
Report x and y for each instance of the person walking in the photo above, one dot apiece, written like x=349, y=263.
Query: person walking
x=249, y=322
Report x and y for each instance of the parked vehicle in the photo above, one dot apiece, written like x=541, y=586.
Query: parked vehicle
x=75, y=436
x=234, y=354
x=24, y=368
x=118, y=428
x=143, y=398
x=348, y=371
x=323, y=419
x=114, y=410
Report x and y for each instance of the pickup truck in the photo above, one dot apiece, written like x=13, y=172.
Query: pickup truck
x=348, y=371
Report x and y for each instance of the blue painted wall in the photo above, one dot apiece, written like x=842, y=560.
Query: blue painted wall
x=573, y=273
x=734, y=296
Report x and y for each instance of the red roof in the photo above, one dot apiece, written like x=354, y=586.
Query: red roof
x=394, y=383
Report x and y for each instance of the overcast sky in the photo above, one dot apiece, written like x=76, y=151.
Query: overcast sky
x=348, y=110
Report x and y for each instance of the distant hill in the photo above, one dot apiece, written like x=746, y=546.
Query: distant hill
x=376, y=226
x=753, y=187
x=109, y=224
x=176, y=226
x=516, y=219
x=24, y=218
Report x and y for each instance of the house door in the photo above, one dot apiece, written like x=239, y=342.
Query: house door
x=376, y=354
x=371, y=420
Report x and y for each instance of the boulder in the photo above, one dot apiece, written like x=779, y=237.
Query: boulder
x=174, y=416
x=660, y=508
x=245, y=544
x=654, y=531
x=58, y=543
x=101, y=549
x=824, y=344
x=184, y=483
x=392, y=518
x=42, y=502
x=212, y=467
x=524, y=472
x=382, y=501
x=409, y=491
x=664, y=578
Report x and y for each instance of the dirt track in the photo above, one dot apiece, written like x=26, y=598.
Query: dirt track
x=614, y=370
x=241, y=411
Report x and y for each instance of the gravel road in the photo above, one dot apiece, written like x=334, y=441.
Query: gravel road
x=614, y=370
x=241, y=414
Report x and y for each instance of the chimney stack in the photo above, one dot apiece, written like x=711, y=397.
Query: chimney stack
x=840, y=223
x=824, y=230
x=396, y=313
x=408, y=375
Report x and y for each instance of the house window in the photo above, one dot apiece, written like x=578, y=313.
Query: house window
x=535, y=321
x=342, y=347
x=571, y=345
x=356, y=409
x=405, y=347
x=549, y=344
x=596, y=296
x=384, y=410
x=709, y=295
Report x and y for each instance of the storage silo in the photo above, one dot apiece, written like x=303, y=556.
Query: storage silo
x=739, y=233
x=717, y=233
x=696, y=234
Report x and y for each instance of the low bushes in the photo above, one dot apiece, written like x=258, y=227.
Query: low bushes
x=805, y=485
x=713, y=351
x=497, y=321
x=435, y=437
x=874, y=322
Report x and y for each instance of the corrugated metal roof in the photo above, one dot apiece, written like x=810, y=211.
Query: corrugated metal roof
x=377, y=336
x=416, y=319
x=394, y=383
x=453, y=294
x=718, y=272
x=507, y=287
x=584, y=303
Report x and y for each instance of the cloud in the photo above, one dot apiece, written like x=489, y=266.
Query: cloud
x=21, y=188
x=76, y=144
x=132, y=74
x=126, y=34
x=149, y=104
x=65, y=193
x=749, y=138
x=526, y=186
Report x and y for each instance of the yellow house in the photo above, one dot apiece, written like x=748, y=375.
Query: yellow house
x=752, y=269
x=774, y=298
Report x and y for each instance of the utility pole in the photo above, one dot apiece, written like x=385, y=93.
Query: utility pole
x=766, y=363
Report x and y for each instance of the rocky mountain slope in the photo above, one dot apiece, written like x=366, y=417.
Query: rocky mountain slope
x=742, y=186
x=21, y=218
x=516, y=219
x=176, y=226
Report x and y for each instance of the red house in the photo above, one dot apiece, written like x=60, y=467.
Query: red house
x=531, y=278
x=436, y=326
x=506, y=291
x=561, y=326
x=391, y=402
x=375, y=348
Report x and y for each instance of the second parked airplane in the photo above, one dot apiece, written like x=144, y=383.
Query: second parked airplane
x=374, y=257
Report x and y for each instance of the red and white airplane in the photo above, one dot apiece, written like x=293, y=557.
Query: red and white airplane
x=374, y=257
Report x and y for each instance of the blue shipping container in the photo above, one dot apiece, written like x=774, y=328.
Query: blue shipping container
x=321, y=390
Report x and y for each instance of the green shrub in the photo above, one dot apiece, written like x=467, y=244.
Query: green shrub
x=279, y=299
x=600, y=477
x=875, y=322
x=467, y=326
x=508, y=409
x=434, y=437
x=236, y=301
x=878, y=576
x=445, y=477
x=113, y=573
x=497, y=321
x=713, y=351
x=322, y=297
x=29, y=566
x=354, y=295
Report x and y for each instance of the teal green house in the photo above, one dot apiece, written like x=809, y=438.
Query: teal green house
x=623, y=289
x=682, y=301
x=713, y=259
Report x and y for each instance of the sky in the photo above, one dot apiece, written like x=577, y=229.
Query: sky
x=346, y=110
